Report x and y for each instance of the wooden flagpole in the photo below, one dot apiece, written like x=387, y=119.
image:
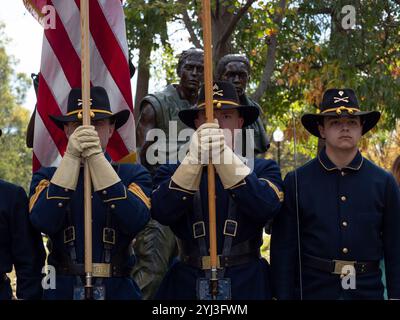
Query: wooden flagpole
x=208, y=86
x=85, y=74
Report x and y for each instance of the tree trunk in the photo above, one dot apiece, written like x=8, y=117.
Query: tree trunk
x=271, y=55
x=221, y=46
x=268, y=69
x=142, y=86
x=224, y=22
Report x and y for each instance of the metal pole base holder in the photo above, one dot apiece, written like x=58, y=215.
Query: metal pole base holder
x=204, y=289
x=98, y=293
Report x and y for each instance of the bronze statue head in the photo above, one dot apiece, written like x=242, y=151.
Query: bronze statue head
x=234, y=68
x=191, y=69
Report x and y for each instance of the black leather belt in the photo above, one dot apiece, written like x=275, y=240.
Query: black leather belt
x=187, y=248
x=336, y=266
x=203, y=262
x=100, y=270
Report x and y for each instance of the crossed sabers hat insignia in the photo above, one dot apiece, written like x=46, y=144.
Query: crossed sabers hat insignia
x=217, y=92
x=80, y=102
x=340, y=99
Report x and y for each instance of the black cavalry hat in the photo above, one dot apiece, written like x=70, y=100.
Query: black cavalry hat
x=339, y=103
x=224, y=98
x=99, y=108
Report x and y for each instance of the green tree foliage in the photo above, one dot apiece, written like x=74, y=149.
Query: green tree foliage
x=298, y=49
x=15, y=158
x=146, y=21
x=315, y=52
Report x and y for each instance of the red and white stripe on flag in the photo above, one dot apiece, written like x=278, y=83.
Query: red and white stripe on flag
x=61, y=70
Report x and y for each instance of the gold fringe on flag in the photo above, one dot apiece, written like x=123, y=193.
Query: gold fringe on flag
x=34, y=10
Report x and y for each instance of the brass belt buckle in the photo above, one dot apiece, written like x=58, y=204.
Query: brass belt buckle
x=340, y=264
x=101, y=270
x=206, y=262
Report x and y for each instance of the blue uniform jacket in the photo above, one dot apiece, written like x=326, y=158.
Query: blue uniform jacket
x=129, y=204
x=258, y=199
x=351, y=214
x=20, y=245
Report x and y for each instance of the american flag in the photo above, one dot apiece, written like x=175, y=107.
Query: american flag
x=61, y=70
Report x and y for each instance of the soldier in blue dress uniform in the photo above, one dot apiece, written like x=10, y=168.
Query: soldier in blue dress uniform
x=20, y=245
x=341, y=214
x=245, y=200
x=120, y=204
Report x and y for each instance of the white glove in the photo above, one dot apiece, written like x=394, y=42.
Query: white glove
x=79, y=138
x=67, y=173
x=233, y=170
x=90, y=147
x=212, y=142
x=101, y=171
x=228, y=165
x=188, y=174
